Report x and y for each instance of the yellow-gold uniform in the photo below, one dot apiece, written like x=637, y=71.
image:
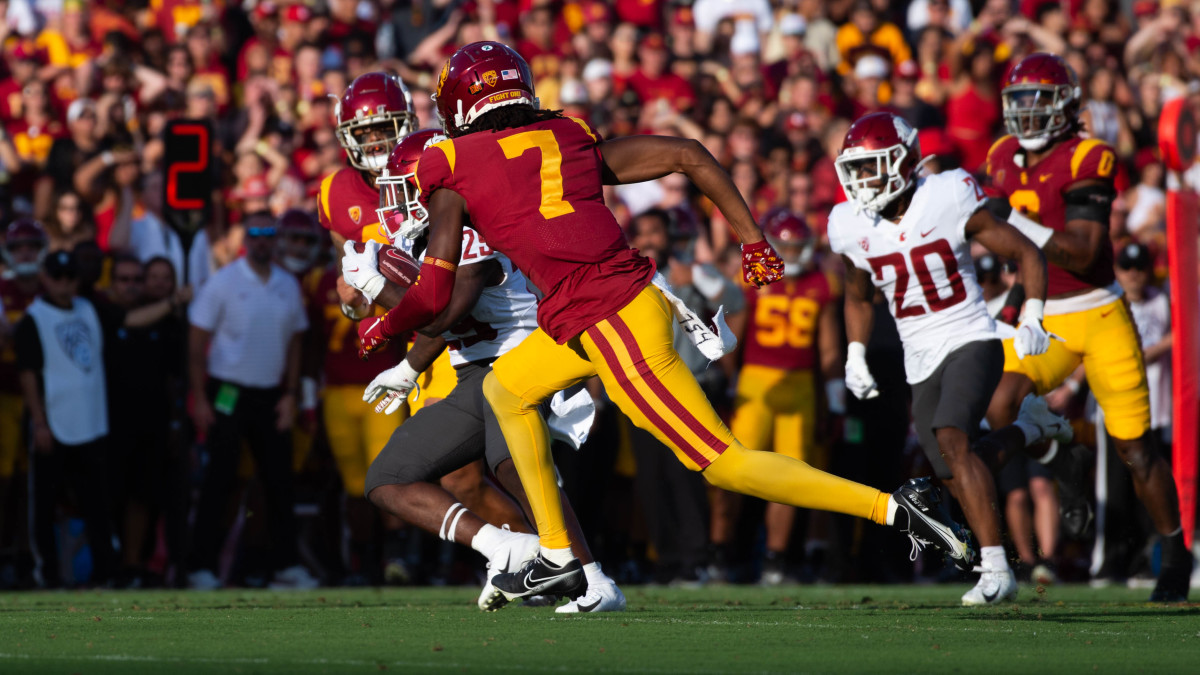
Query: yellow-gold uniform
x=1086, y=310
x=13, y=455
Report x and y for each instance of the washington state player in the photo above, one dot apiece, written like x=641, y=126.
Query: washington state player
x=909, y=236
x=1058, y=190
x=532, y=182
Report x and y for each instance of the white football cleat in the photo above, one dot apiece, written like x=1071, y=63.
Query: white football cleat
x=294, y=578
x=994, y=587
x=517, y=549
x=601, y=596
x=1034, y=411
x=203, y=580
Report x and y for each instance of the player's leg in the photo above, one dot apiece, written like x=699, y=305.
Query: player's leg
x=1045, y=521
x=471, y=487
x=1117, y=375
x=394, y=549
x=753, y=424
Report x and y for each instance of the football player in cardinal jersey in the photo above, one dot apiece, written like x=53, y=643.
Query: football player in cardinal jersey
x=792, y=331
x=532, y=181
x=1058, y=190
x=490, y=312
x=909, y=236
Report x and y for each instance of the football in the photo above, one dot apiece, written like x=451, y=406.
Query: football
x=395, y=265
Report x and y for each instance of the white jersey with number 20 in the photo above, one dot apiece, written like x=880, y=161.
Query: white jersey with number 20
x=923, y=267
x=502, y=317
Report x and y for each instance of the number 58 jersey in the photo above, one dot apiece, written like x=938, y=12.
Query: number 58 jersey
x=923, y=267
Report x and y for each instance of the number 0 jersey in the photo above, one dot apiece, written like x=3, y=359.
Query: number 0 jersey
x=782, y=330
x=503, y=315
x=1038, y=192
x=923, y=266
x=535, y=194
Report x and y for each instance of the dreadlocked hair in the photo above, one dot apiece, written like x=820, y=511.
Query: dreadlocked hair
x=512, y=117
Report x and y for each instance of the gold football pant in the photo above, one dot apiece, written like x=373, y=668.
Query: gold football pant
x=776, y=409
x=632, y=353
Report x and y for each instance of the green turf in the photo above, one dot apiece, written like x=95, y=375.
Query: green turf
x=878, y=629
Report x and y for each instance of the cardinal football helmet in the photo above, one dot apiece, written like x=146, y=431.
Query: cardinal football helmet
x=299, y=240
x=1041, y=100
x=400, y=213
x=879, y=160
x=788, y=234
x=480, y=77
x=373, y=103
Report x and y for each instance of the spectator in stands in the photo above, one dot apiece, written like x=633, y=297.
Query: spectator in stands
x=244, y=390
x=70, y=222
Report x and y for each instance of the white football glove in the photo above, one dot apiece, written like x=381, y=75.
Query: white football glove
x=1032, y=338
x=361, y=270
x=394, y=386
x=858, y=375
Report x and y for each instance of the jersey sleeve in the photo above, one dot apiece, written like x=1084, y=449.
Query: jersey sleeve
x=995, y=163
x=1093, y=160
x=324, y=212
x=596, y=137
x=839, y=234
x=435, y=169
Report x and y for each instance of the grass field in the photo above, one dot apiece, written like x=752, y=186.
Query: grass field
x=871, y=629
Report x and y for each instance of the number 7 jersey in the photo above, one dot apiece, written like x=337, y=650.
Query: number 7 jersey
x=923, y=267
x=534, y=193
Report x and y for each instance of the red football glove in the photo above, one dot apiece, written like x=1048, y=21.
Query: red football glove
x=761, y=265
x=370, y=337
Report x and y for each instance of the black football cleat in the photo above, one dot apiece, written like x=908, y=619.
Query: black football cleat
x=927, y=525
x=1176, y=575
x=541, y=577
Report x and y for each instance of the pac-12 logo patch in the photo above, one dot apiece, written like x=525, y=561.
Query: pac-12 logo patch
x=355, y=214
x=490, y=78
x=865, y=244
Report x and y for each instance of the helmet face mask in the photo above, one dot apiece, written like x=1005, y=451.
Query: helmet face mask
x=400, y=212
x=880, y=159
x=1041, y=101
x=790, y=236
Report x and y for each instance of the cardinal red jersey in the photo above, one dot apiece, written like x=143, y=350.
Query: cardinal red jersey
x=338, y=338
x=15, y=301
x=346, y=205
x=534, y=193
x=782, y=329
x=1038, y=192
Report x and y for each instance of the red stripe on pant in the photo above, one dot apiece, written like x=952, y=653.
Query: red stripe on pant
x=656, y=385
x=614, y=365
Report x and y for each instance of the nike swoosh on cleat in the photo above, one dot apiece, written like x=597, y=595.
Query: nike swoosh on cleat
x=530, y=582
x=588, y=608
x=989, y=598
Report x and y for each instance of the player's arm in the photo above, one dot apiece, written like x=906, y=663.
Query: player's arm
x=634, y=159
x=1077, y=247
x=431, y=293
x=860, y=318
x=1007, y=241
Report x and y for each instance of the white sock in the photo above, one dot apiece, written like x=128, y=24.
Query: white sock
x=993, y=558
x=558, y=556
x=892, y=507
x=487, y=539
x=1032, y=433
x=593, y=573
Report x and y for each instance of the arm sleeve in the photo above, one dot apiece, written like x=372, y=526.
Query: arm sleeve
x=28, y=345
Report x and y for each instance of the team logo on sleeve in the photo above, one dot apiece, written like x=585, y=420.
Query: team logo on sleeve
x=865, y=244
x=490, y=78
x=355, y=214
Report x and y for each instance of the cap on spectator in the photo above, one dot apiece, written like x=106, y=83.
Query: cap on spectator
x=24, y=50
x=683, y=17
x=78, y=107
x=1134, y=256
x=1145, y=157
x=255, y=188
x=61, y=264
x=596, y=11
x=871, y=65
x=745, y=39
x=1145, y=8
x=265, y=10
x=796, y=121
x=908, y=70
x=652, y=41
x=792, y=24
x=297, y=14
x=597, y=69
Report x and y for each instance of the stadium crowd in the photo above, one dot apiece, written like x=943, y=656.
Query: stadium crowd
x=768, y=86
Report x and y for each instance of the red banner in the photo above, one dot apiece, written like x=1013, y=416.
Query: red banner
x=1177, y=140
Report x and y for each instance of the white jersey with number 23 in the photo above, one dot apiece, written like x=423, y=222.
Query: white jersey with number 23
x=923, y=267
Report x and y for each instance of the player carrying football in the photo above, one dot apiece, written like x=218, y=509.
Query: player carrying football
x=1059, y=192
x=531, y=181
x=910, y=237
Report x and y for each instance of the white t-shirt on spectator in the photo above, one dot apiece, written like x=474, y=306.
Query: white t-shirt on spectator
x=201, y=264
x=149, y=237
x=640, y=197
x=251, y=323
x=1153, y=319
x=708, y=13
x=960, y=15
